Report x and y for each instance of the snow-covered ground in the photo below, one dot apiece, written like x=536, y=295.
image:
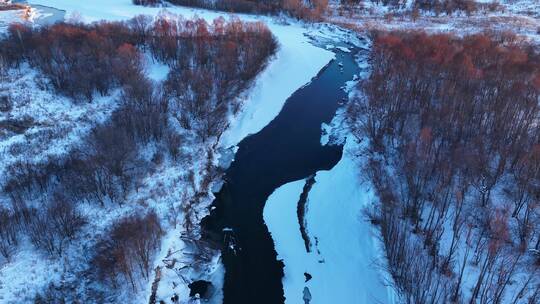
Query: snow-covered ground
x=55, y=123
x=26, y=14
x=9, y=16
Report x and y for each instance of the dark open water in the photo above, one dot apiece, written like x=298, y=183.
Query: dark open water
x=286, y=150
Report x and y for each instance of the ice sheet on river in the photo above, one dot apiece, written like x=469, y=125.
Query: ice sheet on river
x=345, y=255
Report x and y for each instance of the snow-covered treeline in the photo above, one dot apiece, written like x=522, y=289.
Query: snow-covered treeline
x=312, y=10
x=453, y=154
x=437, y=6
x=431, y=7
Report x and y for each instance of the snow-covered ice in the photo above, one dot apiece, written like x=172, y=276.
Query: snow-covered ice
x=345, y=260
x=344, y=49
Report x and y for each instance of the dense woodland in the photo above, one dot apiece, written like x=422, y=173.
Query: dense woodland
x=209, y=65
x=454, y=149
